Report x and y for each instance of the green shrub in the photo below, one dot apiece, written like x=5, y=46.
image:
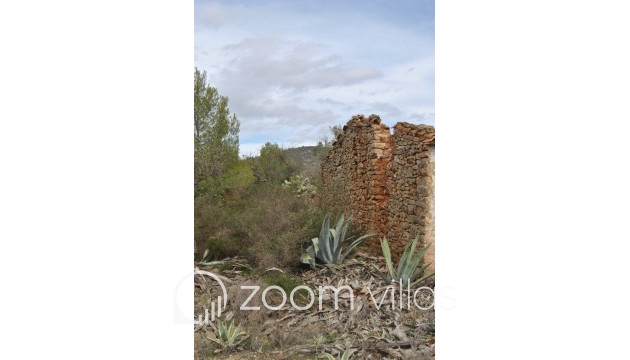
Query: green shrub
x=266, y=224
x=273, y=165
x=287, y=283
x=235, y=179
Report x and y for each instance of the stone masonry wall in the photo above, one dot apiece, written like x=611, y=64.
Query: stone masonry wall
x=354, y=173
x=386, y=180
x=410, y=183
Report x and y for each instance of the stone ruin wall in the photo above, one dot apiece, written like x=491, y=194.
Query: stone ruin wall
x=386, y=180
x=410, y=179
x=354, y=173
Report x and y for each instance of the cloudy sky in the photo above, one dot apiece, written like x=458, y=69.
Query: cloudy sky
x=292, y=69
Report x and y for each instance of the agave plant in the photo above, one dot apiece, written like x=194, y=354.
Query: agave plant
x=227, y=336
x=409, y=269
x=328, y=247
x=345, y=356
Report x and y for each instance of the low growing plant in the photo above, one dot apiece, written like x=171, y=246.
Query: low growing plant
x=409, y=268
x=345, y=356
x=328, y=247
x=227, y=336
x=287, y=283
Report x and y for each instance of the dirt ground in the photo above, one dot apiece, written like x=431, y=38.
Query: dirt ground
x=370, y=331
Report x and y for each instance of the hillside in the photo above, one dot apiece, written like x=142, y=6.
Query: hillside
x=307, y=158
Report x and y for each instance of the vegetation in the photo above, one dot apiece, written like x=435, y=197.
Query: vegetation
x=327, y=248
x=272, y=165
x=241, y=206
x=287, y=283
x=345, y=356
x=299, y=184
x=265, y=223
x=227, y=336
x=409, y=269
x=253, y=217
x=217, y=166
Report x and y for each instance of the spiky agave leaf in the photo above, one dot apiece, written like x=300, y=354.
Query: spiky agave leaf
x=328, y=247
x=409, y=268
x=325, y=253
x=340, y=234
x=413, y=261
x=346, y=354
x=235, y=333
x=222, y=331
x=419, y=271
x=337, y=233
x=356, y=243
x=311, y=253
x=409, y=249
x=422, y=278
x=309, y=256
x=387, y=254
x=227, y=335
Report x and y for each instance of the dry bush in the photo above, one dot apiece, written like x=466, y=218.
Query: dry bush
x=268, y=225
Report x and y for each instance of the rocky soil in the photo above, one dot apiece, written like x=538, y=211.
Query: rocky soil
x=359, y=323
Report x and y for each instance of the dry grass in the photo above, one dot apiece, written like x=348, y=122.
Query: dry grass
x=304, y=334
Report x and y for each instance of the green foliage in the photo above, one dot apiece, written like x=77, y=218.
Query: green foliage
x=345, y=356
x=287, y=283
x=227, y=336
x=265, y=224
x=273, y=165
x=327, y=248
x=213, y=123
x=409, y=268
x=216, y=137
x=299, y=184
x=238, y=177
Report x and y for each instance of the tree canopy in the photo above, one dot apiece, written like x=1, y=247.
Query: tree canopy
x=216, y=137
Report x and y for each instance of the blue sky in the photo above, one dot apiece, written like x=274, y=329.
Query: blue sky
x=291, y=69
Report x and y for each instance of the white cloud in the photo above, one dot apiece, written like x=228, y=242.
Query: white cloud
x=276, y=63
x=211, y=15
x=292, y=69
x=250, y=149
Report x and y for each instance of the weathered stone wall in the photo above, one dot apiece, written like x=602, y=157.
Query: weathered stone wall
x=410, y=183
x=354, y=173
x=386, y=180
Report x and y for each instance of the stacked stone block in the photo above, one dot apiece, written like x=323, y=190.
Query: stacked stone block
x=354, y=174
x=386, y=180
x=410, y=180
